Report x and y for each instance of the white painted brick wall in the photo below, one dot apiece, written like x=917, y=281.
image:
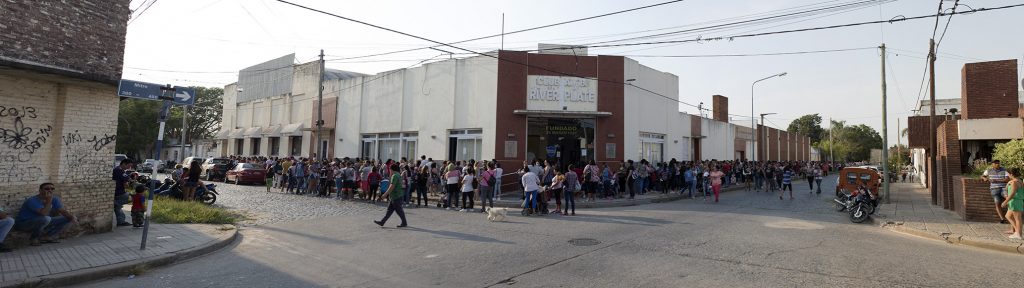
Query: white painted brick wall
x=61, y=133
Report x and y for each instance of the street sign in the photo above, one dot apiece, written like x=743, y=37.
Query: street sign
x=151, y=91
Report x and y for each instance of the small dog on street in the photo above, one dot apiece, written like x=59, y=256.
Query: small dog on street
x=496, y=214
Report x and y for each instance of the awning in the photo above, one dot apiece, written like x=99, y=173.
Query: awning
x=294, y=129
x=223, y=134
x=272, y=131
x=561, y=114
x=253, y=132
x=236, y=133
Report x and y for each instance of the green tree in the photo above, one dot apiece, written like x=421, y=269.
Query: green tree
x=1010, y=154
x=899, y=156
x=851, y=143
x=808, y=125
x=203, y=118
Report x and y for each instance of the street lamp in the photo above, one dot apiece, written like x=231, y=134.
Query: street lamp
x=753, y=122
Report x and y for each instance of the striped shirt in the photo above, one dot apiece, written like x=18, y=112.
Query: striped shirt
x=995, y=176
x=787, y=178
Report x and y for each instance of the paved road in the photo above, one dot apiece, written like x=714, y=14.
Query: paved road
x=747, y=240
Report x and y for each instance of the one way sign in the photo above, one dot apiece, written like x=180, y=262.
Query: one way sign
x=151, y=91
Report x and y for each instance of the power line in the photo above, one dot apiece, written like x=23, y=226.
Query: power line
x=491, y=36
x=137, y=16
x=753, y=54
x=950, y=19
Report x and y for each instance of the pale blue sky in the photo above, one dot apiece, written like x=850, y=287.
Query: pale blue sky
x=228, y=35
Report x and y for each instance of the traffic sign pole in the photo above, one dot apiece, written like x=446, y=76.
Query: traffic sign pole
x=168, y=92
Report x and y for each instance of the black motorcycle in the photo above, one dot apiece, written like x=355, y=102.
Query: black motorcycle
x=207, y=194
x=863, y=206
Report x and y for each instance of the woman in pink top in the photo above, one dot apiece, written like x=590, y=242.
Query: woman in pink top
x=716, y=181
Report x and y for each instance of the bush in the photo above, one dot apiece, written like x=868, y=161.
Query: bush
x=173, y=211
x=1010, y=154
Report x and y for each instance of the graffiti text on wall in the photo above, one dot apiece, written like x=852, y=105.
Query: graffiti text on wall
x=17, y=136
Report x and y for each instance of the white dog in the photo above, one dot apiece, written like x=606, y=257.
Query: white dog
x=496, y=214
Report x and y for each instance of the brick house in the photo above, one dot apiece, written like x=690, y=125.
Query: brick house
x=990, y=114
x=60, y=62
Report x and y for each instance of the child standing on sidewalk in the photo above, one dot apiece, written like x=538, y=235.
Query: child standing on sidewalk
x=138, y=206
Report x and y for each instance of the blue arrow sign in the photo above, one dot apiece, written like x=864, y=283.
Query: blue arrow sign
x=151, y=91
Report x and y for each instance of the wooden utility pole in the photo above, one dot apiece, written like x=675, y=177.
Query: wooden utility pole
x=885, y=135
x=320, y=111
x=932, y=149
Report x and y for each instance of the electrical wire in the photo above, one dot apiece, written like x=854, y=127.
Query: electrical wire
x=506, y=33
x=751, y=54
x=137, y=16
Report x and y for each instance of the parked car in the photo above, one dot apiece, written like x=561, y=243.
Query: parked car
x=118, y=158
x=216, y=167
x=246, y=173
x=150, y=164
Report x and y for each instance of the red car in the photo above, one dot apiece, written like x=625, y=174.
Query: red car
x=245, y=172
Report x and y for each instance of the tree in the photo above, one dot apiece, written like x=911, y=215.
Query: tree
x=808, y=125
x=137, y=122
x=899, y=156
x=851, y=143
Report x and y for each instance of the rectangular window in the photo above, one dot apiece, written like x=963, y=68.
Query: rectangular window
x=392, y=146
x=465, y=144
x=255, y=146
x=239, y=146
x=295, y=143
x=652, y=147
x=275, y=146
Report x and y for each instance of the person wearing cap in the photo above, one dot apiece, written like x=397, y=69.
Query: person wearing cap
x=997, y=178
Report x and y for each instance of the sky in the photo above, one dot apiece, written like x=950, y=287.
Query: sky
x=205, y=43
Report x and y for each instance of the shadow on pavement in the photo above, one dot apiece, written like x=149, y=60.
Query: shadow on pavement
x=307, y=235
x=458, y=235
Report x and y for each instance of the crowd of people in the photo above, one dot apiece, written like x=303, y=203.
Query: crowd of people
x=459, y=184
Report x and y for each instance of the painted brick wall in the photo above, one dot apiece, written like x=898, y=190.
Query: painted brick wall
x=61, y=132
x=989, y=90
x=83, y=39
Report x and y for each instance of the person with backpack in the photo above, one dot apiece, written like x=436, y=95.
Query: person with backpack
x=373, y=181
x=591, y=178
x=620, y=180
x=606, y=183
x=488, y=180
x=421, y=185
x=452, y=184
x=571, y=182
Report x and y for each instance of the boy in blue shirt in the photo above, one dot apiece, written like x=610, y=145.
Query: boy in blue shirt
x=787, y=183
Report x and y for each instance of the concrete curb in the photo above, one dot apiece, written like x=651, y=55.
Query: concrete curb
x=957, y=239
x=121, y=269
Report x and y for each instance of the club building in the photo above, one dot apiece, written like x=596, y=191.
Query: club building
x=521, y=107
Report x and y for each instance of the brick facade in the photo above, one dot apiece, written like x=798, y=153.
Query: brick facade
x=949, y=160
x=83, y=39
x=720, y=108
x=989, y=90
x=978, y=204
x=59, y=65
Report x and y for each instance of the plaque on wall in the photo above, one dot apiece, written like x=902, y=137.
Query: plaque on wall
x=609, y=150
x=511, y=149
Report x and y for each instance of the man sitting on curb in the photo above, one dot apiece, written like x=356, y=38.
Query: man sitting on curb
x=35, y=216
x=6, y=223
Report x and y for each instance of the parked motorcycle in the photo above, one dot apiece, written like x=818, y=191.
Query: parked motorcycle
x=207, y=194
x=863, y=207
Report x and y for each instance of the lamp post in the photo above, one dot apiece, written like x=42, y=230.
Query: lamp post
x=753, y=121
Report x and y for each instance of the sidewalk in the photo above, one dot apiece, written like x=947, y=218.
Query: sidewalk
x=112, y=254
x=910, y=212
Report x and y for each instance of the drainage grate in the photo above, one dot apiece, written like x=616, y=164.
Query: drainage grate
x=584, y=242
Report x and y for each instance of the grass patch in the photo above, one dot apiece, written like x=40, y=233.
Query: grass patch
x=173, y=211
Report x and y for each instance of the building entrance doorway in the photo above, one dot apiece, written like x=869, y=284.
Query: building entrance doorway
x=565, y=140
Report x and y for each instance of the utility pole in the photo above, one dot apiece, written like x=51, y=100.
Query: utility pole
x=931, y=123
x=885, y=134
x=831, y=143
x=320, y=110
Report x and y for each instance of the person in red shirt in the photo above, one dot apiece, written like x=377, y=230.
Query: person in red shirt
x=138, y=206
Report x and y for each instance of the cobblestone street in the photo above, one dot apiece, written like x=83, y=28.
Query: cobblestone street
x=262, y=207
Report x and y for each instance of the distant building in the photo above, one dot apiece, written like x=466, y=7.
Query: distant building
x=60, y=64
